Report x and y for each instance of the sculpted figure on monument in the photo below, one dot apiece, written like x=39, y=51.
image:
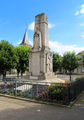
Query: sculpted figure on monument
x=49, y=63
x=37, y=39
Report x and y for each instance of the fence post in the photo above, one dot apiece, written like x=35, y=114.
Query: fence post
x=74, y=91
x=4, y=86
x=15, y=88
x=80, y=86
x=37, y=90
x=68, y=92
x=11, y=79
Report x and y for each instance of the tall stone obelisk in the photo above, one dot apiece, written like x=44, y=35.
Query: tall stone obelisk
x=40, y=58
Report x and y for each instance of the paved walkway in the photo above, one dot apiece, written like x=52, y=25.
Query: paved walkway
x=13, y=109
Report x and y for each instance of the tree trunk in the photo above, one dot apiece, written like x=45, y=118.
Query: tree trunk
x=18, y=73
x=4, y=75
x=70, y=75
x=21, y=74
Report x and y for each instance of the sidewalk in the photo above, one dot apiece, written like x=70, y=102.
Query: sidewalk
x=13, y=109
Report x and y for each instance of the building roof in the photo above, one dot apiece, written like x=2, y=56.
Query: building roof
x=25, y=40
x=80, y=52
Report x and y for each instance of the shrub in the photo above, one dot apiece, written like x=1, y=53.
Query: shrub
x=58, y=91
x=15, y=72
x=79, y=78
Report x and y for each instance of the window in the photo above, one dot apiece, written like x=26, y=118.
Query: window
x=83, y=69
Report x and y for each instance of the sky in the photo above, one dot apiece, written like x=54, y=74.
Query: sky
x=65, y=22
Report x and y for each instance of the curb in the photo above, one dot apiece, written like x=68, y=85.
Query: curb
x=71, y=104
x=36, y=101
x=40, y=102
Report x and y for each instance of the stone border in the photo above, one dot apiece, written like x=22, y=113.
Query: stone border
x=36, y=101
x=47, y=103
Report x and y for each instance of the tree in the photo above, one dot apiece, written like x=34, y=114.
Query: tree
x=70, y=61
x=57, y=61
x=22, y=53
x=7, y=57
x=82, y=58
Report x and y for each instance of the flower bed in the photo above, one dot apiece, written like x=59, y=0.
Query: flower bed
x=7, y=89
x=56, y=93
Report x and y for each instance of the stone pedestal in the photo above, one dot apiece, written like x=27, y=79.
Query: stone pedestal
x=40, y=65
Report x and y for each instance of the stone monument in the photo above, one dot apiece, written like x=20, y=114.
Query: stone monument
x=40, y=57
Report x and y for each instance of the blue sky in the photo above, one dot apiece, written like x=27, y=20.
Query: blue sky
x=65, y=20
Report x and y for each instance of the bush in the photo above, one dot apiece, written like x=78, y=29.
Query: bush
x=17, y=79
x=60, y=73
x=58, y=92
x=14, y=72
x=79, y=78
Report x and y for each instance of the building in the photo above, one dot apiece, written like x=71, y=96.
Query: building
x=80, y=69
x=25, y=41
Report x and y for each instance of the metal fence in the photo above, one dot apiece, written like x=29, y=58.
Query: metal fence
x=62, y=93
x=10, y=78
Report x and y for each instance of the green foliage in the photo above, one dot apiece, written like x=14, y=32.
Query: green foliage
x=57, y=91
x=57, y=61
x=17, y=79
x=14, y=72
x=79, y=78
x=22, y=53
x=70, y=61
x=7, y=56
x=82, y=58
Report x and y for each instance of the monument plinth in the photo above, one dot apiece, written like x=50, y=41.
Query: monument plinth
x=40, y=57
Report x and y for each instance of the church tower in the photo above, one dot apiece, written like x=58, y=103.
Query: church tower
x=25, y=41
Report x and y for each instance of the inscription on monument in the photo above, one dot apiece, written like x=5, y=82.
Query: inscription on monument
x=33, y=77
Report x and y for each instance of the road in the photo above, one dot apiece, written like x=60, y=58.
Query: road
x=13, y=109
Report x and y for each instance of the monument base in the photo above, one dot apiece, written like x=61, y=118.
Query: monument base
x=40, y=77
x=48, y=79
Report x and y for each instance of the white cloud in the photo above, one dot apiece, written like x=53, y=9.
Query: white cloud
x=58, y=47
x=77, y=13
x=81, y=11
x=82, y=5
x=19, y=42
x=82, y=24
x=82, y=36
x=50, y=25
x=1, y=38
x=31, y=43
x=31, y=26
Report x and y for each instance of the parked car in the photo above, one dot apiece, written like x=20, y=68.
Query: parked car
x=68, y=73
x=9, y=72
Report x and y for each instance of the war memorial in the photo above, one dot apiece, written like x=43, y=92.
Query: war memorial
x=40, y=57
